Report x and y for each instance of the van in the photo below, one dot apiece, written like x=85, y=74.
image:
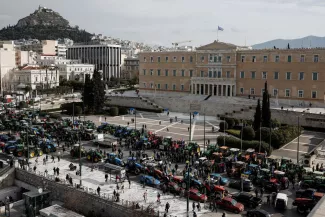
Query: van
x=281, y=201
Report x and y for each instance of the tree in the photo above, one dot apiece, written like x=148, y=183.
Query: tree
x=266, y=111
x=98, y=91
x=257, y=116
x=87, y=96
x=223, y=126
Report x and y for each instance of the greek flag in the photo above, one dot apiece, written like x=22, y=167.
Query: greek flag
x=220, y=28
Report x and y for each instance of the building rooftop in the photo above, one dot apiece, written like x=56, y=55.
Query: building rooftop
x=58, y=211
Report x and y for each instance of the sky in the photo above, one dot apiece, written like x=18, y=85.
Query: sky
x=245, y=22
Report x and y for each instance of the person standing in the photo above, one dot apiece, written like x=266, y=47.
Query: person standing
x=193, y=206
x=145, y=196
x=53, y=160
x=54, y=170
x=167, y=207
x=98, y=191
x=158, y=197
x=106, y=177
x=57, y=171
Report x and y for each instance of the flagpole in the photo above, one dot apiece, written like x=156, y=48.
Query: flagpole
x=218, y=34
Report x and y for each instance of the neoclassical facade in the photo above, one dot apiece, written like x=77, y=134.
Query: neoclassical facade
x=222, y=69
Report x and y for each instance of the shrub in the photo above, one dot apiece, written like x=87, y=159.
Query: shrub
x=232, y=142
x=230, y=123
x=265, y=133
x=236, y=121
x=223, y=126
x=113, y=111
x=248, y=133
x=22, y=104
x=122, y=111
x=234, y=132
x=283, y=135
x=275, y=123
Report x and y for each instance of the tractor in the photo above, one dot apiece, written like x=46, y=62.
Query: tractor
x=75, y=151
x=94, y=156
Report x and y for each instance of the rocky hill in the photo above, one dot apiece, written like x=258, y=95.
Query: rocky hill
x=43, y=17
x=44, y=24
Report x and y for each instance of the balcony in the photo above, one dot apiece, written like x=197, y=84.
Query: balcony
x=207, y=80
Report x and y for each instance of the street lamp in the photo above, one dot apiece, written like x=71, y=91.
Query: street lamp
x=241, y=135
x=80, y=164
x=135, y=119
x=204, y=129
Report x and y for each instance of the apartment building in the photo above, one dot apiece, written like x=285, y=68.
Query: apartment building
x=131, y=68
x=222, y=69
x=76, y=72
x=105, y=57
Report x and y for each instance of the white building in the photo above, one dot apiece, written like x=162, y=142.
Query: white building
x=33, y=76
x=62, y=50
x=76, y=72
x=25, y=58
x=46, y=60
x=106, y=57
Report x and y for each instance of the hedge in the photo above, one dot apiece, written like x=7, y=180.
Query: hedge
x=223, y=126
x=248, y=133
x=234, y=132
x=122, y=111
x=283, y=135
x=113, y=111
x=232, y=142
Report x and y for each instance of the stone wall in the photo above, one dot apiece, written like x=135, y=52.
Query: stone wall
x=79, y=200
x=131, y=102
x=7, y=179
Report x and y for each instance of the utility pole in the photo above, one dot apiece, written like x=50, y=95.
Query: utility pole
x=224, y=132
x=188, y=190
x=135, y=119
x=204, y=129
x=241, y=135
x=190, y=127
x=80, y=158
x=259, y=150
x=298, y=141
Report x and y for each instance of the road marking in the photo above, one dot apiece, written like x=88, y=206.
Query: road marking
x=304, y=143
x=211, y=124
x=186, y=135
x=293, y=150
x=166, y=127
x=141, y=115
x=311, y=137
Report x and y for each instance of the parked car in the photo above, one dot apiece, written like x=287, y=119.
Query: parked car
x=149, y=180
x=258, y=213
x=195, y=194
x=230, y=204
x=247, y=199
x=247, y=185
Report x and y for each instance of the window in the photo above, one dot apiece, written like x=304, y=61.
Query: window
x=262, y=91
x=287, y=92
x=214, y=74
x=183, y=59
x=265, y=59
x=151, y=72
x=242, y=74
x=241, y=90
x=242, y=59
x=301, y=76
x=315, y=58
x=151, y=85
x=219, y=74
x=313, y=94
x=215, y=59
x=275, y=92
x=210, y=74
x=264, y=75
x=166, y=59
x=202, y=59
x=202, y=73
x=158, y=59
x=277, y=58
x=174, y=72
x=254, y=59
x=228, y=59
x=315, y=76
x=191, y=73
x=144, y=85
x=166, y=86
x=228, y=74
x=276, y=75
x=144, y=72
x=151, y=59
x=300, y=93
x=175, y=59
x=158, y=72
x=166, y=72
x=289, y=59
x=158, y=86
x=182, y=87
x=253, y=75
x=174, y=86
x=219, y=59
x=191, y=59
x=302, y=58
x=210, y=58
x=144, y=59
x=288, y=75
x=252, y=91
x=183, y=73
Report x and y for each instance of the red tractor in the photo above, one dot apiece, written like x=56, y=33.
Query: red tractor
x=280, y=178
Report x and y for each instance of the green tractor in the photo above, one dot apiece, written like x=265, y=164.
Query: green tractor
x=210, y=150
x=94, y=156
x=75, y=151
x=33, y=151
x=192, y=147
x=166, y=143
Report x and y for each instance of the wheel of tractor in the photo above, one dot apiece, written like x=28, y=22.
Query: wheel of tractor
x=19, y=153
x=31, y=154
x=40, y=153
x=301, y=209
x=95, y=159
x=88, y=157
x=137, y=171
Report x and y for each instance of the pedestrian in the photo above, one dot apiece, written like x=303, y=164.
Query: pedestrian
x=268, y=199
x=262, y=192
x=159, y=122
x=114, y=194
x=256, y=192
x=53, y=160
x=59, y=157
x=167, y=207
x=145, y=196
x=35, y=169
x=122, y=188
x=223, y=214
x=57, y=171
x=105, y=119
x=194, y=214
x=54, y=170
x=67, y=177
x=63, y=149
x=106, y=177
x=158, y=197
x=167, y=129
x=45, y=172
x=188, y=129
x=44, y=161
x=198, y=206
x=193, y=206
x=47, y=157
x=129, y=183
x=98, y=191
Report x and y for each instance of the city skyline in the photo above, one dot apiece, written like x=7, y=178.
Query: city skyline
x=164, y=21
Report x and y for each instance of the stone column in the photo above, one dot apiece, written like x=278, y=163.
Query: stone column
x=203, y=89
x=217, y=92
x=221, y=89
x=208, y=89
x=230, y=90
x=235, y=90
